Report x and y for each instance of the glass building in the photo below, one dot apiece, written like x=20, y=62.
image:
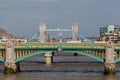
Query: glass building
x=109, y=28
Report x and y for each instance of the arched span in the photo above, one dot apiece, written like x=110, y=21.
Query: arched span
x=86, y=54
x=42, y=52
x=2, y=59
x=32, y=54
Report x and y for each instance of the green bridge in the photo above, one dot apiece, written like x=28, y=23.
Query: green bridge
x=23, y=51
x=93, y=50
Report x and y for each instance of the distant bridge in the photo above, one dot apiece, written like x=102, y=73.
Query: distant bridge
x=58, y=29
x=41, y=35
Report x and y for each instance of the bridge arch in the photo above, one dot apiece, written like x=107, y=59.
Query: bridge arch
x=43, y=52
x=2, y=59
x=31, y=54
x=117, y=60
x=86, y=54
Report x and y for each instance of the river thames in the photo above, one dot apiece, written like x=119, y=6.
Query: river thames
x=65, y=67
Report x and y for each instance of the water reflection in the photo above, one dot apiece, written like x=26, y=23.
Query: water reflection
x=110, y=77
x=64, y=68
x=10, y=77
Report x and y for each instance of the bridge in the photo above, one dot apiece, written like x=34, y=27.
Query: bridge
x=41, y=34
x=11, y=54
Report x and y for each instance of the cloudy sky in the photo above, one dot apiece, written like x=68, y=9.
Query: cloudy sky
x=22, y=17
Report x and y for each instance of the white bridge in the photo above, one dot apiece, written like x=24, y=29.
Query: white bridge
x=58, y=29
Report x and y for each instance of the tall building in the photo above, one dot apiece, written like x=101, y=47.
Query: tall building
x=108, y=29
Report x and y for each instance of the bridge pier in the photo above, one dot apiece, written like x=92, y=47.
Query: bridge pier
x=10, y=65
x=75, y=54
x=11, y=68
x=48, y=58
x=109, y=66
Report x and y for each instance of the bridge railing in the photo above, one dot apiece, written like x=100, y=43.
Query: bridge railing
x=117, y=46
x=82, y=45
x=63, y=45
x=2, y=45
x=99, y=45
x=75, y=45
x=37, y=45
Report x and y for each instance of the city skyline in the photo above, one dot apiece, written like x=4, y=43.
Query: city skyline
x=22, y=17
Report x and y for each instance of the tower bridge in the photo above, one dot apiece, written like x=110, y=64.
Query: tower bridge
x=42, y=32
x=75, y=34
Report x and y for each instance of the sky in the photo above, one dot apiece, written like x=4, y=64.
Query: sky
x=22, y=17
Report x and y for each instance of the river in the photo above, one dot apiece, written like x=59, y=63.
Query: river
x=65, y=67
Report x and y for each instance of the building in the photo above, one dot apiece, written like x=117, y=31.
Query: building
x=111, y=36
x=108, y=29
x=110, y=33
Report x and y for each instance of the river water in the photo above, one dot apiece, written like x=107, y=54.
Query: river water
x=65, y=67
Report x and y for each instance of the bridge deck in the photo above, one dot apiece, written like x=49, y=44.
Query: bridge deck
x=94, y=50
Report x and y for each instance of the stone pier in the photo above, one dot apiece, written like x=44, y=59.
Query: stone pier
x=48, y=58
x=10, y=65
x=109, y=66
x=75, y=54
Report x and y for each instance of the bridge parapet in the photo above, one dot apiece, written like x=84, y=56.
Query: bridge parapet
x=64, y=45
x=86, y=47
x=38, y=45
x=117, y=46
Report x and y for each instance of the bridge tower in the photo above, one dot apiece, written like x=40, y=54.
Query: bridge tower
x=10, y=65
x=109, y=58
x=74, y=32
x=42, y=32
